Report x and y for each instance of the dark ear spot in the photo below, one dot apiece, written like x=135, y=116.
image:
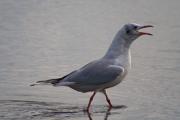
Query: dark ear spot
x=127, y=31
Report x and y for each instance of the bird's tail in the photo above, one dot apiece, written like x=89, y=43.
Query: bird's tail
x=47, y=82
x=53, y=82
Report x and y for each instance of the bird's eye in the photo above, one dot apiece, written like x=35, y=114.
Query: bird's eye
x=135, y=27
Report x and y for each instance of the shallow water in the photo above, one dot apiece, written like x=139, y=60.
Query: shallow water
x=47, y=110
x=47, y=39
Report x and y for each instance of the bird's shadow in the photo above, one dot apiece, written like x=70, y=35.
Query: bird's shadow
x=40, y=110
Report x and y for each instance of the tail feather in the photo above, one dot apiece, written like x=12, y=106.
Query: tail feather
x=47, y=82
x=51, y=81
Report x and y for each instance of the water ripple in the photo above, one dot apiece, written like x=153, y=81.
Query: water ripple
x=33, y=110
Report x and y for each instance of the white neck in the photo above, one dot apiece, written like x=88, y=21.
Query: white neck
x=119, y=51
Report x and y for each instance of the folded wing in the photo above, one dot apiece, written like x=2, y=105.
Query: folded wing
x=95, y=73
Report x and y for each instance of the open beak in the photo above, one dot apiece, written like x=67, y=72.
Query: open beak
x=144, y=33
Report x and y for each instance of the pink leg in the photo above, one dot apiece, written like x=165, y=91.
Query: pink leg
x=90, y=100
x=107, y=99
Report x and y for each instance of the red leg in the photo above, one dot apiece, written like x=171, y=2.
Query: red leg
x=107, y=99
x=90, y=100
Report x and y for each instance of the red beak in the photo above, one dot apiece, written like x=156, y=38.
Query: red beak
x=145, y=33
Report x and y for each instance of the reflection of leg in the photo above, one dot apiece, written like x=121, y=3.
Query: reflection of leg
x=107, y=99
x=107, y=114
x=90, y=100
x=89, y=116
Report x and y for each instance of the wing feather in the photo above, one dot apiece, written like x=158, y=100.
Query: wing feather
x=95, y=73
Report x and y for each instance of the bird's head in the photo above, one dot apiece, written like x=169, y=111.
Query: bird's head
x=131, y=31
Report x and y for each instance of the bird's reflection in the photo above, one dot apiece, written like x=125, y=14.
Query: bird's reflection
x=106, y=113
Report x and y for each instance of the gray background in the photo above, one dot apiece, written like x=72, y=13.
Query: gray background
x=42, y=39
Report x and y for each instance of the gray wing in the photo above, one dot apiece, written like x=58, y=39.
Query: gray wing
x=95, y=73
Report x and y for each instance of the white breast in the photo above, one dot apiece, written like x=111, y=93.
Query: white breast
x=129, y=53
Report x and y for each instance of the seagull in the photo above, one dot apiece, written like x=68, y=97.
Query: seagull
x=106, y=72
